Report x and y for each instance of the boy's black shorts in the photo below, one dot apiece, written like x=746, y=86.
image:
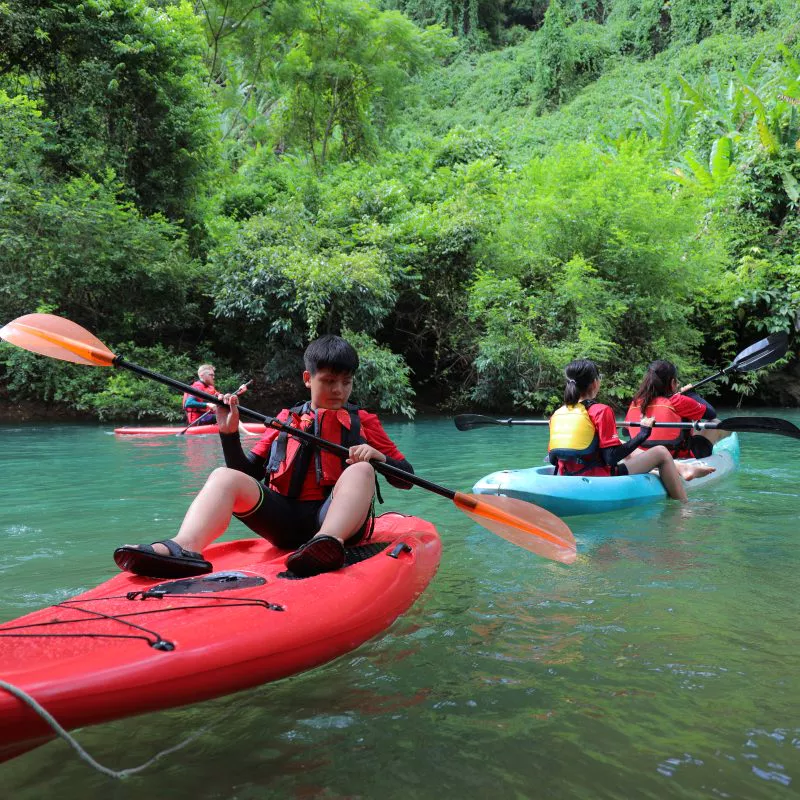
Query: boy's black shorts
x=289, y=523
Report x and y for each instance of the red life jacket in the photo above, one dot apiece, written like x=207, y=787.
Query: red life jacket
x=290, y=459
x=195, y=413
x=674, y=439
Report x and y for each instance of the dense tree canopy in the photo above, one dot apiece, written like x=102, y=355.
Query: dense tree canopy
x=550, y=179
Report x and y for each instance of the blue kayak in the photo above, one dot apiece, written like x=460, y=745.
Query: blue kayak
x=568, y=496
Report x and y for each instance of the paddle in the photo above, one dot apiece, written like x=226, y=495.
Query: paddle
x=781, y=427
x=196, y=422
x=466, y=422
x=767, y=351
x=241, y=390
x=521, y=523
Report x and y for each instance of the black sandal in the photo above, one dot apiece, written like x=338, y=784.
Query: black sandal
x=321, y=554
x=143, y=560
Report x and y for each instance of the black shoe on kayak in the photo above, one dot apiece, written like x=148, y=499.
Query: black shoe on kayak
x=143, y=560
x=321, y=554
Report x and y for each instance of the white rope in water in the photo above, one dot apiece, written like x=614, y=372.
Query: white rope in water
x=76, y=746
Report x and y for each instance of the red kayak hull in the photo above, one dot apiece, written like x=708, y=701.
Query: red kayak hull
x=221, y=641
x=196, y=430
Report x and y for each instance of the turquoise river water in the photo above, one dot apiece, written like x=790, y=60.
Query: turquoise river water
x=663, y=664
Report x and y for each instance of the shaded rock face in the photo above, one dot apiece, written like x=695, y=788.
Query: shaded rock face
x=37, y=411
x=781, y=388
x=264, y=397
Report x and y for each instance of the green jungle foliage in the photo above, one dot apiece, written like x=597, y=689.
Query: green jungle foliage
x=473, y=192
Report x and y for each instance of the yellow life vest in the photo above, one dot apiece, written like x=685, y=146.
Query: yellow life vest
x=573, y=436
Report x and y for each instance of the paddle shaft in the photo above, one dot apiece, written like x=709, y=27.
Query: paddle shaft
x=476, y=419
x=197, y=421
x=709, y=379
x=238, y=392
x=271, y=422
x=780, y=427
x=620, y=423
x=700, y=425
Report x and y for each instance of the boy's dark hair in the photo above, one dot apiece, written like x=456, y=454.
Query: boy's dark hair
x=580, y=375
x=331, y=352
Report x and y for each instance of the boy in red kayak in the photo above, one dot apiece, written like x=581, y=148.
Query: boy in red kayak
x=295, y=495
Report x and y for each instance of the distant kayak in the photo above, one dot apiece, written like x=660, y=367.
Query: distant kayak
x=567, y=495
x=134, y=644
x=196, y=430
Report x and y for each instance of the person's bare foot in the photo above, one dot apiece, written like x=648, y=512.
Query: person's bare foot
x=691, y=471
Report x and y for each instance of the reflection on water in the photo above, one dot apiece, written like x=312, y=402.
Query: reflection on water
x=662, y=664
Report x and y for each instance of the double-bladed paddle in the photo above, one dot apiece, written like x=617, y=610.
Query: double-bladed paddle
x=762, y=353
x=521, y=523
x=781, y=427
x=206, y=415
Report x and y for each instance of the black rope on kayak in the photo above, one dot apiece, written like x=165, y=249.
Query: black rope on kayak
x=157, y=641
x=157, y=644
x=232, y=602
x=150, y=594
x=22, y=695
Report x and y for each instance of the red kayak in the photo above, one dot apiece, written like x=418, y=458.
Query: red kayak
x=135, y=644
x=196, y=430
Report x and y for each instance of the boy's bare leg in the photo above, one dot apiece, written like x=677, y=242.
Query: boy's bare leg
x=225, y=491
x=352, y=497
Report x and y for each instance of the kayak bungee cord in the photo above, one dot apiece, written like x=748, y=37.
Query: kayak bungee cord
x=157, y=642
x=31, y=702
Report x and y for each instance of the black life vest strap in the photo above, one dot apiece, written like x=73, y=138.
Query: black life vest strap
x=593, y=459
x=277, y=454
x=307, y=450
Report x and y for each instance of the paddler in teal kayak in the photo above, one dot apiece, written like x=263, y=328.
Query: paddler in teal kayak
x=584, y=440
x=294, y=495
x=659, y=394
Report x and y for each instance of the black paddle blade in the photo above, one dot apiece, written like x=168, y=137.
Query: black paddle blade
x=781, y=427
x=758, y=355
x=466, y=422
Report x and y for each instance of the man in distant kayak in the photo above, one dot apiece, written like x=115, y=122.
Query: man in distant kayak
x=295, y=495
x=661, y=399
x=195, y=408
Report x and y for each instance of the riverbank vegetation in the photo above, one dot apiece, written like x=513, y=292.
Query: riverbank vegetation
x=475, y=192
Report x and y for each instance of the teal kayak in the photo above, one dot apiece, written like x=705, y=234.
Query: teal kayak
x=568, y=496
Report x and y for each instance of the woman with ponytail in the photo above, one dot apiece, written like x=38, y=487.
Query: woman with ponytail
x=659, y=397
x=584, y=441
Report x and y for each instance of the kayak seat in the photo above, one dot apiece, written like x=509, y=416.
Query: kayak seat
x=700, y=446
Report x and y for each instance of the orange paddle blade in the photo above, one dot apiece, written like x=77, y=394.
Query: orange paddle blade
x=57, y=337
x=521, y=523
